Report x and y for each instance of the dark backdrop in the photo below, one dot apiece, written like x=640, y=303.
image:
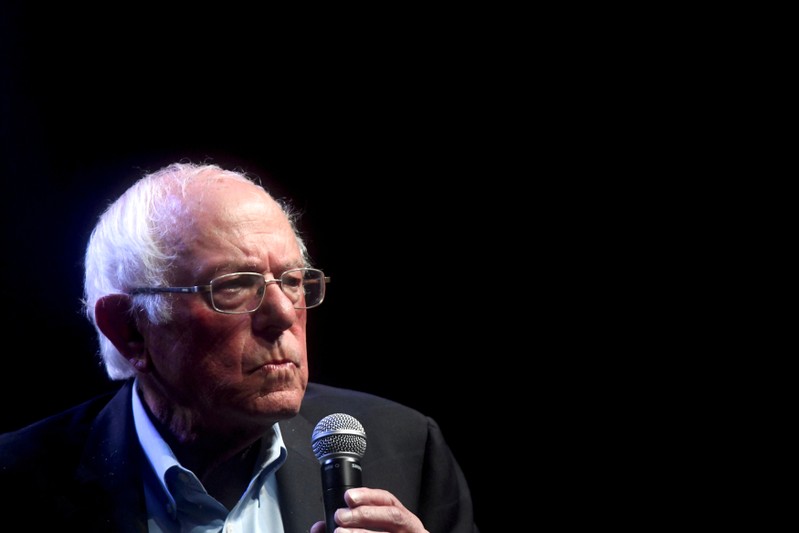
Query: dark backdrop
x=381, y=135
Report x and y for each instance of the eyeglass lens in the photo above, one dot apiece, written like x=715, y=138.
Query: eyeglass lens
x=244, y=292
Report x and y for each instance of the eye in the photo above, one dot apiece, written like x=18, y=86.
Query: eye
x=291, y=279
x=236, y=282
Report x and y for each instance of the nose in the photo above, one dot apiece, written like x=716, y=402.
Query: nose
x=277, y=310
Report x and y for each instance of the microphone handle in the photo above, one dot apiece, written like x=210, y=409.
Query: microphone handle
x=338, y=475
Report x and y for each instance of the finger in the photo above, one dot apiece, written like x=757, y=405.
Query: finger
x=380, y=518
x=367, y=496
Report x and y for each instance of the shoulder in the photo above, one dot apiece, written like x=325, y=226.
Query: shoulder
x=377, y=414
x=51, y=439
x=321, y=400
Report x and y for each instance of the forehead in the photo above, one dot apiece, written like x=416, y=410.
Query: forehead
x=237, y=220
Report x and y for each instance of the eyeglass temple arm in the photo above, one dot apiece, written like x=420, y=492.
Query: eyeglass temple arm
x=326, y=278
x=156, y=290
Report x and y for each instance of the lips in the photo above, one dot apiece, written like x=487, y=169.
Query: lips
x=276, y=366
x=279, y=365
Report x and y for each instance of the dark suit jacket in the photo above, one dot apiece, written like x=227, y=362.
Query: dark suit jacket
x=81, y=470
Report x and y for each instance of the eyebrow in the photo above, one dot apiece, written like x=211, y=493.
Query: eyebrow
x=251, y=267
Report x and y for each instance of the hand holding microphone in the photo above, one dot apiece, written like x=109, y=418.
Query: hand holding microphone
x=339, y=442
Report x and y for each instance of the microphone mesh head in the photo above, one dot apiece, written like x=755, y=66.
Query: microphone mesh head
x=336, y=435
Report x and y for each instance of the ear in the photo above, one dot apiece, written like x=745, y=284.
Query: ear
x=115, y=319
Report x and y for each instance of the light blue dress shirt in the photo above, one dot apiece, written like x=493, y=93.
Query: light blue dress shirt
x=178, y=502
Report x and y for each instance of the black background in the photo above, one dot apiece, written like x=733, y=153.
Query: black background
x=383, y=133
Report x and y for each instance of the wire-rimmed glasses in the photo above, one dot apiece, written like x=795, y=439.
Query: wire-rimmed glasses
x=243, y=292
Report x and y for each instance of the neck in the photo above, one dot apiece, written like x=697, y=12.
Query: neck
x=206, y=455
x=224, y=464
x=198, y=447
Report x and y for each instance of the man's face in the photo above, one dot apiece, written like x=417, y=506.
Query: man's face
x=230, y=371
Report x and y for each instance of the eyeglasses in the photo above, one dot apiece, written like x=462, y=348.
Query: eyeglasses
x=243, y=292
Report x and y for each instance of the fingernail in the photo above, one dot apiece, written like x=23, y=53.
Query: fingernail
x=355, y=495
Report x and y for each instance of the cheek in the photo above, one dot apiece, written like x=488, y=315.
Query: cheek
x=210, y=331
x=190, y=343
x=217, y=342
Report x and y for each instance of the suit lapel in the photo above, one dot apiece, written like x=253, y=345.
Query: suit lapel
x=299, y=479
x=111, y=468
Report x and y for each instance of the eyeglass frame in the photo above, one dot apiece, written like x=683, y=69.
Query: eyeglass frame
x=208, y=288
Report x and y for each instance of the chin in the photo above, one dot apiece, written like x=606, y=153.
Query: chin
x=280, y=404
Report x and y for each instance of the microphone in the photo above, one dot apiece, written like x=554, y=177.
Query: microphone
x=338, y=442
